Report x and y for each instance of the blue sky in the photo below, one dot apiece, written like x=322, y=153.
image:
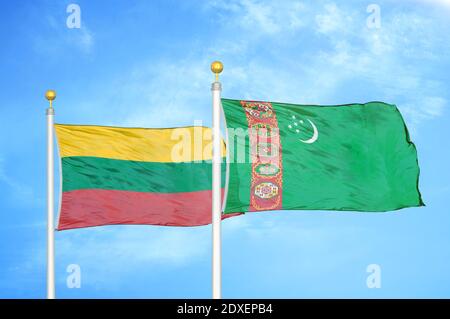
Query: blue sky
x=146, y=63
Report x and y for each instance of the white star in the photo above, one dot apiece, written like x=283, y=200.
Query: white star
x=301, y=121
x=293, y=117
x=298, y=131
x=290, y=126
x=295, y=123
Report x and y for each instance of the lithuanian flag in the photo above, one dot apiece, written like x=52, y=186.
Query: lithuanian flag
x=113, y=175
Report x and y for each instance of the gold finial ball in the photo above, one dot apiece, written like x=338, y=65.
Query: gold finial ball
x=216, y=67
x=50, y=95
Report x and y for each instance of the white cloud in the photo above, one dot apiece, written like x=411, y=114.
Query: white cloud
x=386, y=58
x=84, y=39
x=332, y=20
x=140, y=247
x=170, y=94
x=434, y=106
x=153, y=94
x=59, y=38
x=346, y=52
x=424, y=108
x=20, y=192
x=443, y=3
x=261, y=17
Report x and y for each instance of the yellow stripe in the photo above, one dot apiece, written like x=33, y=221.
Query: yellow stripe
x=181, y=144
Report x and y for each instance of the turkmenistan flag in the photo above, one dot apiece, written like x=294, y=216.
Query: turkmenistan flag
x=355, y=157
x=113, y=175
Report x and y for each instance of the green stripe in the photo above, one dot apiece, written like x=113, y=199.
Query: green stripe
x=80, y=172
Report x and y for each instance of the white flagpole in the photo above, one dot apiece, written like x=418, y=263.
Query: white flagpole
x=216, y=68
x=50, y=95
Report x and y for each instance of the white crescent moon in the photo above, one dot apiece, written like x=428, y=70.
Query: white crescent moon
x=315, y=134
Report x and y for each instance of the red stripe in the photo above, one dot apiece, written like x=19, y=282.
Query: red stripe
x=97, y=207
